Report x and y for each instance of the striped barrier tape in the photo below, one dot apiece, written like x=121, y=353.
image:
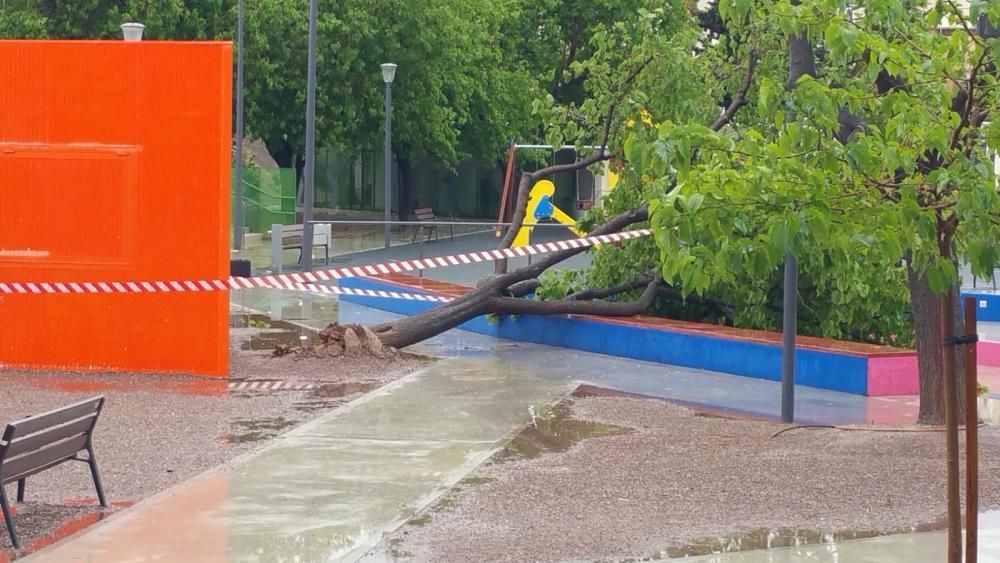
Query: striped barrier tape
x=292, y=280
x=269, y=385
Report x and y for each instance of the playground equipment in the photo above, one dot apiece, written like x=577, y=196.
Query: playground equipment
x=541, y=208
x=115, y=167
x=588, y=189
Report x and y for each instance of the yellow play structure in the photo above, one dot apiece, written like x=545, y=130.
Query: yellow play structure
x=540, y=207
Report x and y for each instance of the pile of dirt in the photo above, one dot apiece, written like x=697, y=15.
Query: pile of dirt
x=338, y=340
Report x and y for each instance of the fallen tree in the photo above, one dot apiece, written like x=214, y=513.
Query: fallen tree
x=876, y=182
x=503, y=293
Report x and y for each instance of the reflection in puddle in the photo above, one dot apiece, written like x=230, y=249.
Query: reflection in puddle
x=554, y=430
x=763, y=538
x=256, y=430
x=271, y=340
x=273, y=333
x=345, y=389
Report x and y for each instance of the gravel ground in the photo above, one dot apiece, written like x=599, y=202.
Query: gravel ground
x=158, y=430
x=684, y=483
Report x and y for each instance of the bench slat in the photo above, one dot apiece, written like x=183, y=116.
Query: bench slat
x=42, y=421
x=27, y=464
x=51, y=435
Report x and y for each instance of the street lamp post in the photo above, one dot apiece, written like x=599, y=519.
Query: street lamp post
x=238, y=181
x=310, y=172
x=388, y=74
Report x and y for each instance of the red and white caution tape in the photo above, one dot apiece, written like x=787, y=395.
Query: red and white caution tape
x=297, y=280
x=269, y=386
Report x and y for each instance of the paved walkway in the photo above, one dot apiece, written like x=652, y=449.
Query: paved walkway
x=329, y=489
x=701, y=388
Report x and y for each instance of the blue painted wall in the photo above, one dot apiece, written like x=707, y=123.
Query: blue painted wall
x=825, y=370
x=987, y=306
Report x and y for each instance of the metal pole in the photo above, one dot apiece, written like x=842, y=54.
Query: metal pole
x=388, y=160
x=971, y=437
x=951, y=428
x=238, y=188
x=309, y=186
x=789, y=329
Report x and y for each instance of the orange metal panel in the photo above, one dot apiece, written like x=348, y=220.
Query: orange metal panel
x=114, y=165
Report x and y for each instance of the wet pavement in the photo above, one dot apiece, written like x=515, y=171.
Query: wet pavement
x=699, y=389
x=328, y=490
x=924, y=547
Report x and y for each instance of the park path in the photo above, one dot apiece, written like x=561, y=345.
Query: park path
x=328, y=490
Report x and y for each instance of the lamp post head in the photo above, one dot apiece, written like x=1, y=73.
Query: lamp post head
x=388, y=72
x=132, y=31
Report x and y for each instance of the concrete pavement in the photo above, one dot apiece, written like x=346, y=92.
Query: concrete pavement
x=327, y=491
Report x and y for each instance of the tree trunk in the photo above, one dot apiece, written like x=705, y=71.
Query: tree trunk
x=405, y=200
x=410, y=330
x=927, y=330
x=492, y=293
x=516, y=218
x=281, y=151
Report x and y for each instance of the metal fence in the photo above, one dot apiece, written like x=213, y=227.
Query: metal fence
x=325, y=232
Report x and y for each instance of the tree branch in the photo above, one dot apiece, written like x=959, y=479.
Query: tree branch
x=599, y=156
x=512, y=306
x=520, y=289
x=970, y=100
x=529, y=178
x=588, y=294
x=741, y=97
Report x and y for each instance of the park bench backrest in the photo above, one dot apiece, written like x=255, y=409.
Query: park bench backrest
x=42, y=441
x=292, y=234
x=426, y=214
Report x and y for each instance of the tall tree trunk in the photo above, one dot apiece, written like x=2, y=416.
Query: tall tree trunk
x=927, y=330
x=405, y=196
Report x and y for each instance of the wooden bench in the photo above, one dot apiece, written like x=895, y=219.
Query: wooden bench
x=292, y=237
x=427, y=215
x=34, y=444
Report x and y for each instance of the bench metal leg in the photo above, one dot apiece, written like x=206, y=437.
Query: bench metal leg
x=92, y=462
x=7, y=519
x=20, y=491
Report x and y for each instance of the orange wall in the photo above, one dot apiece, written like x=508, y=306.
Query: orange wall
x=114, y=165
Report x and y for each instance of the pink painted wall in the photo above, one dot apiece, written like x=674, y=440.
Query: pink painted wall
x=893, y=375
x=988, y=353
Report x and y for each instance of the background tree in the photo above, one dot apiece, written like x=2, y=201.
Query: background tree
x=860, y=147
x=880, y=181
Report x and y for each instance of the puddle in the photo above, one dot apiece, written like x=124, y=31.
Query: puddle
x=763, y=538
x=315, y=406
x=251, y=321
x=272, y=339
x=554, y=430
x=247, y=431
x=272, y=333
x=340, y=390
